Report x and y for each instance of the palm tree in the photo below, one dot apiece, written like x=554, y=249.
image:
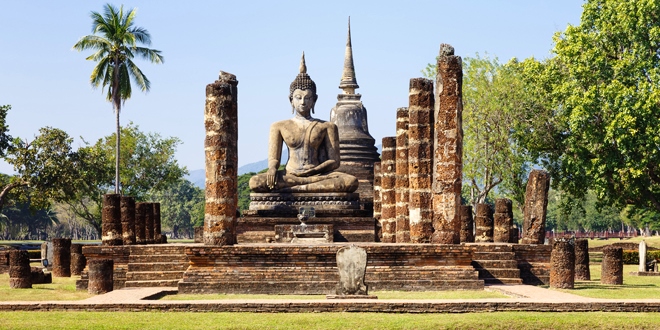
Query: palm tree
x=115, y=42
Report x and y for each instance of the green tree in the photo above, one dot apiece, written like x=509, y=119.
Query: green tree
x=147, y=166
x=182, y=207
x=604, y=83
x=244, y=191
x=116, y=42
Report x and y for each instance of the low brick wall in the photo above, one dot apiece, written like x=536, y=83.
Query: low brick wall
x=255, y=229
x=119, y=255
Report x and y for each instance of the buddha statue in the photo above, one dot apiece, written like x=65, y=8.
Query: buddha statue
x=313, y=149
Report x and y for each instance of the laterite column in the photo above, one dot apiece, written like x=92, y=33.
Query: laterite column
x=140, y=219
x=61, y=257
x=420, y=159
x=484, y=223
x=467, y=224
x=401, y=184
x=111, y=220
x=536, y=204
x=448, y=152
x=377, y=201
x=562, y=264
x=221, y=148
x=19, y=270
x=503, y=220
x=127, y=206
x=149, y=223
x=387, y=190
x=78, y=260
x=612, y=266
x=157, y=233
x=582, y=272
x=100, y=276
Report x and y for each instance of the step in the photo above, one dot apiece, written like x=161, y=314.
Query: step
x=491, y=264
x=152, y=276
x=503, y=281
x=157, y=267
x=157, y=249
x=178, y=258
x=494, y=256
x=151, y=284
x=493, y=248
x=498, y=273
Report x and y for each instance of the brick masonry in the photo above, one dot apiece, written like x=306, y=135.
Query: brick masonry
x=401, y=178
x=387, y=190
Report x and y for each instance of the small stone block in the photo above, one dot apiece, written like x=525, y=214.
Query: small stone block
x=335, y=296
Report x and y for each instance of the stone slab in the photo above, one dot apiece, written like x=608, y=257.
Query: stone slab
x=291, y=202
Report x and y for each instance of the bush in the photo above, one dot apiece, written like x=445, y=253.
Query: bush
x=631, y=257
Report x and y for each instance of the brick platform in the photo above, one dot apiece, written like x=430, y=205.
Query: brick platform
x=261, y=229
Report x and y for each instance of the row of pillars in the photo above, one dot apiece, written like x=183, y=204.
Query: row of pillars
x=417, y=184
x=67, y=260
x=569, y=261
x=125, y=222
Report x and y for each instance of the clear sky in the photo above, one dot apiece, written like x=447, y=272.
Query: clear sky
x=47, y=83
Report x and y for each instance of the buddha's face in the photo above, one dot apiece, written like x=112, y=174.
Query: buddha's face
x=303, y=101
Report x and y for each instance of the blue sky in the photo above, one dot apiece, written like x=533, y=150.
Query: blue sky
x=47, y=83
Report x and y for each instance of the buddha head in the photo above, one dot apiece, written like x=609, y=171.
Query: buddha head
x=302, y=92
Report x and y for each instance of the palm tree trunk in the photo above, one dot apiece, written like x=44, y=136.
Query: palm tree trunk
x=117, y=143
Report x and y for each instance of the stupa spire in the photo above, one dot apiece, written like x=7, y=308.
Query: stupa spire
x=348, y=82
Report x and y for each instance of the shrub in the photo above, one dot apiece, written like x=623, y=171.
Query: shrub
x=631, y=257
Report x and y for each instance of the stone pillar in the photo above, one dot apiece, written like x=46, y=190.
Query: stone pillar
x=420, y=159
x=140, y=215
x=377, y=201
x=612, y=266
x=100, y=276
x=62, y=257
x=582, y=272
x=467, y=224
x=503, y=220
x=111, y=220
x=387, y=190
x=221, y=148
x=484, y=223
x=19, y=270
x=448, y=153
x=562, y=264
x=199, y=235
x=78, y=260
x=157, y=228
x=536, y=203
x=127, y=206
x=149, y=223
x=515, y=235
x=642, y=256
x=401, y=184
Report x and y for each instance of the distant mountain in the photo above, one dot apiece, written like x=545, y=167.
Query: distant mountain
x=197, y=177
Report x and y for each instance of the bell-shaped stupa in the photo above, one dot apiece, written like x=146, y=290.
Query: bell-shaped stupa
x=358, y=152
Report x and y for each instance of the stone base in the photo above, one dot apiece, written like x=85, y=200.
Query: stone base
x=307, y=234
x=256, y=229
x=293, y=201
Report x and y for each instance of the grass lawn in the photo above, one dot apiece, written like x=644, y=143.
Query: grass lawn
x=62, y=288
x=634, y=287
x=463, y=294
x=174, y=320
x=653, y=241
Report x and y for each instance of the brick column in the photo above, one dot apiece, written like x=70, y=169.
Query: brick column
x=377, y=201
x=127, y=206
x=100, y=276
x=61, y=257
x=484, y=223
x=387, y=192
x=536, y=204
x=562, y=264
x=448, y=153
x=140, y=214
x=19, y=270
x=503, y=220
x=111, y=220
x=420, y=159
x=612, y=266
x=157, y=233
x=582, y=272
x=149, y=223
x=467, y=224
x=221, y=148
x=401, y=185
x=78, y=260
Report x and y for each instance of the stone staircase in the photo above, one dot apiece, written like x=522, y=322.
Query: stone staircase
x=156, y=265
x=496, y=264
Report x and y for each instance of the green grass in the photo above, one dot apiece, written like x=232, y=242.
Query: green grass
x=650, y=241
x=491, y=321
x=381, y=295
x=62, y=288
x=634, y=287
